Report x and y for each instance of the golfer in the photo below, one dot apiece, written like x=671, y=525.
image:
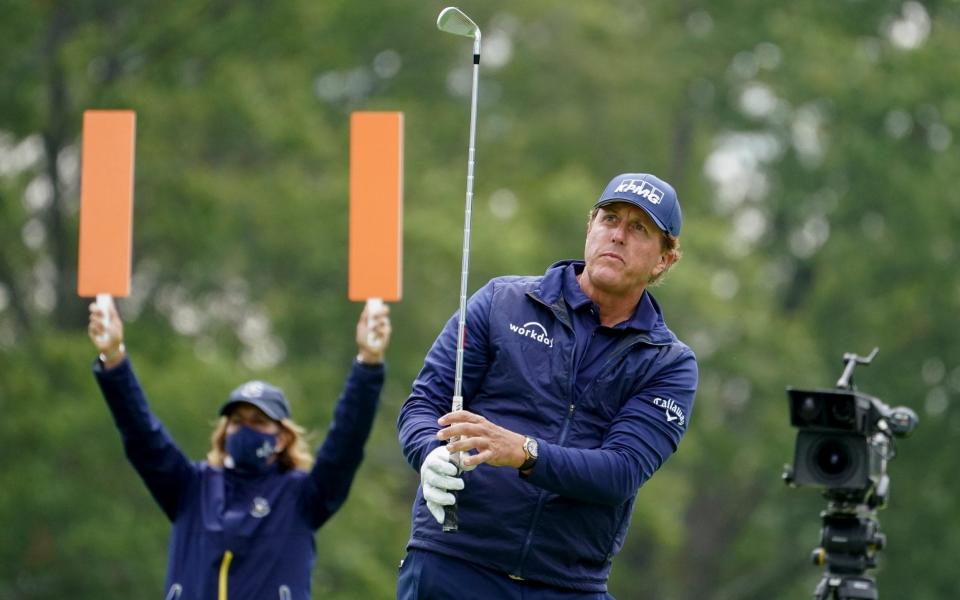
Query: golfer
x=575, y=393
x=243, y=519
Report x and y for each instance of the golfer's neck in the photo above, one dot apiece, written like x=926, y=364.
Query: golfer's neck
x=615, y=306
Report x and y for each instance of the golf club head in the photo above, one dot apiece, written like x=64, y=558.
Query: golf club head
x=455, y=21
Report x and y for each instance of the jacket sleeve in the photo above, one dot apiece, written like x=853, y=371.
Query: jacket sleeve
x=432, y=392
x=341, y=453
x=644, y=433
x=165, y=470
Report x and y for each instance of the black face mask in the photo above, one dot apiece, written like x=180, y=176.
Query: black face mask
x=249, y=450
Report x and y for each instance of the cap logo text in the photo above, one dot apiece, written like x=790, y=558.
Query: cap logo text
x=252, y=389
x=641, y=188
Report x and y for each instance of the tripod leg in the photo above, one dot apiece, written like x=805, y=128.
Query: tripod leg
x=824, y=589
x=857, y=588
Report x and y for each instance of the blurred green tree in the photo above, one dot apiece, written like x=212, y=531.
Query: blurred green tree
x=812, y=145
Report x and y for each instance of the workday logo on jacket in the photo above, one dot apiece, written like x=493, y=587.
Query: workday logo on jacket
x=534, y=331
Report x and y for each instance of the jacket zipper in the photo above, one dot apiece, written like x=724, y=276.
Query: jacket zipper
x=569, y=418
x=542, y=494
x=174, y=592
x=224, y=569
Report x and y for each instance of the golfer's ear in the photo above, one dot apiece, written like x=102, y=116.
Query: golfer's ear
x=666, y=259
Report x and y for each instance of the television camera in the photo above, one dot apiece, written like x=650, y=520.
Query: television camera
x=845, y=439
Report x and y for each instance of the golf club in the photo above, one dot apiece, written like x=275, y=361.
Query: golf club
x=453, y=20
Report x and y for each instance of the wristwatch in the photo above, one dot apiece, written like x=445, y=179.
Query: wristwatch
x=531, y=450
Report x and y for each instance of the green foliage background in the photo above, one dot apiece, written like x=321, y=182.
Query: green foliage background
x=812, y=144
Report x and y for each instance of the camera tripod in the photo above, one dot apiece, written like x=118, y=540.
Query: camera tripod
x=849, y=541
x=845, y=440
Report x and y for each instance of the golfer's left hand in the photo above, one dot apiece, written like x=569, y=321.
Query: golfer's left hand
x=438, y=476
x=494, y=445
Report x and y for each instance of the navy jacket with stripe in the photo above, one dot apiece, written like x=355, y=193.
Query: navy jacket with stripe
x=256, y=530
x=564, y=523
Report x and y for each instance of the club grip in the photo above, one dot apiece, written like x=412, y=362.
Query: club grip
x=450, y=520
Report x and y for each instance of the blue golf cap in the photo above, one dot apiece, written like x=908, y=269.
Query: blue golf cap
x=649, y=192
x=268, y=398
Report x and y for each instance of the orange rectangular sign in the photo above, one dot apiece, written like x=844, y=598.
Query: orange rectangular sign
x=106, y=202
x=376, y=205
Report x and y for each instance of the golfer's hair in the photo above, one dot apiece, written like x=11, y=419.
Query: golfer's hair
x=295, y=455
x=668, y=244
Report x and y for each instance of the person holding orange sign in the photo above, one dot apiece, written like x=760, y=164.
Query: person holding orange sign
x=244, y=519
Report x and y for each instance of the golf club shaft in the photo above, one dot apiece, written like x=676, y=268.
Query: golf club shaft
x=450, y=512
x=468, y=212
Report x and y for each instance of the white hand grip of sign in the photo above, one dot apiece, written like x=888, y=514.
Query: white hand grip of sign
x=373, y=305
x=104, y=302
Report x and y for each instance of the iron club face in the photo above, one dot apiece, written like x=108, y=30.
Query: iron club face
x=455, y=21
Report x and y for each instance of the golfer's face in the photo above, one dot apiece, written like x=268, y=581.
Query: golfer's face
x=252, y=417
x=623, y=249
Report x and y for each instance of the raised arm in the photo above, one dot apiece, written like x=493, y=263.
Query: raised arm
x=149, y=447
x=341, y=453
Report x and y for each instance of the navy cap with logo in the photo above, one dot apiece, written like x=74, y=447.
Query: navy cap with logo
x=649, y=192
x=268, y=398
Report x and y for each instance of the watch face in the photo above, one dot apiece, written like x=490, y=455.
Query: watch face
x=532, y=447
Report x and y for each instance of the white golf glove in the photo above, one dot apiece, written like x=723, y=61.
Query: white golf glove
x=438, y=477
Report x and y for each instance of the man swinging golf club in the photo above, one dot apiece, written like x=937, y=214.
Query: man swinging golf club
x=575, y=393
x=571, y=393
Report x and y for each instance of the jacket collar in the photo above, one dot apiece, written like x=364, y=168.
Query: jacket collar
x=556, y=286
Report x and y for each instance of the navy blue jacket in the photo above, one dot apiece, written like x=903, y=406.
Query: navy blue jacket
x=256, y=531
x=562, y=524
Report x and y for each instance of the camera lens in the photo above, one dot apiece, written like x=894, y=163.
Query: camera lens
x=842, y=410
x=809, y=409
x=832, y=458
